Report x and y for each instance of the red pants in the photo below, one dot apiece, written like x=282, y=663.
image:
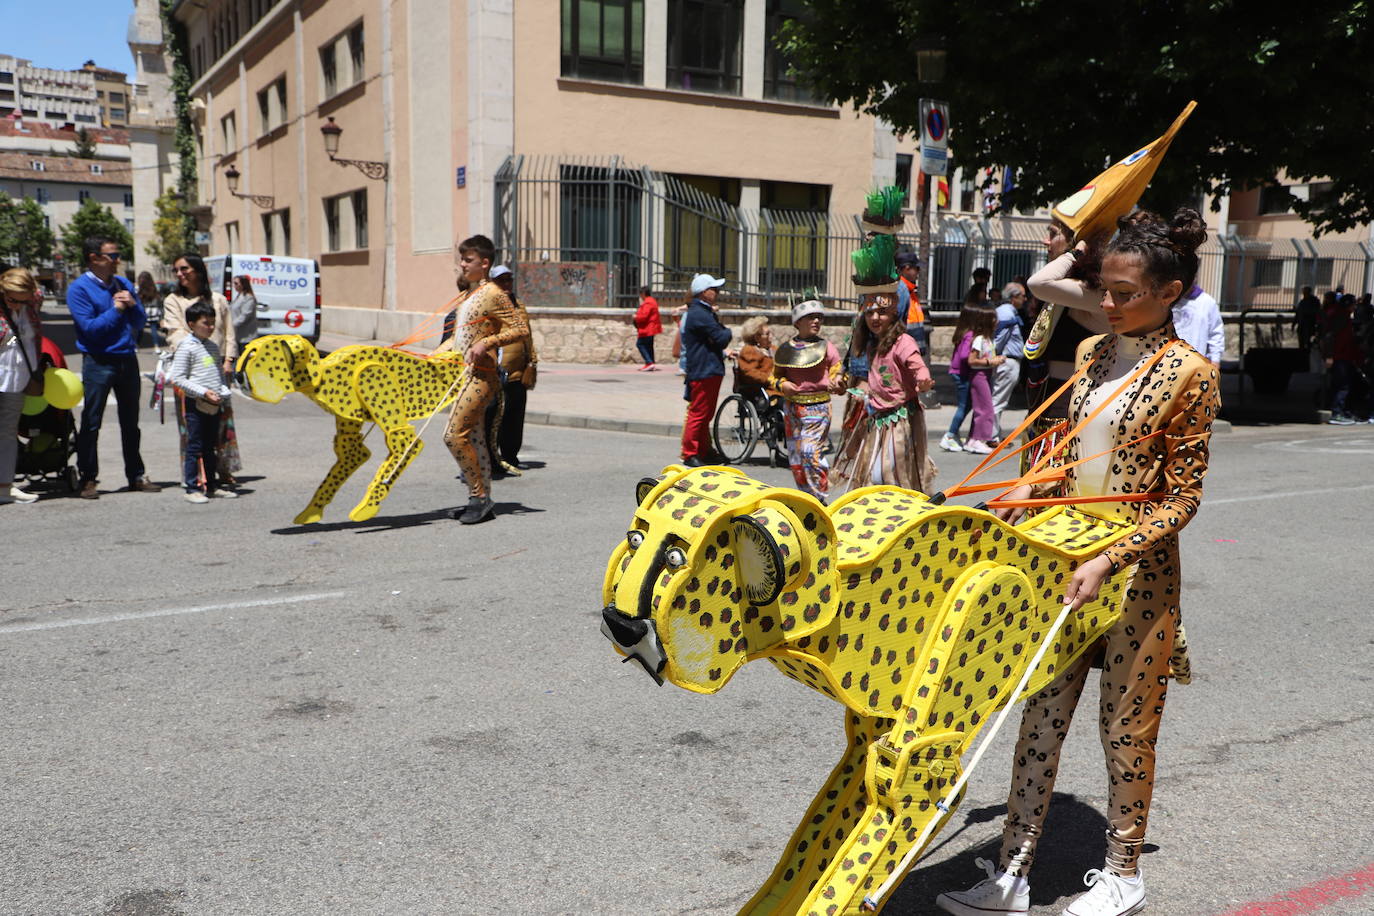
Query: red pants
x=696, y=431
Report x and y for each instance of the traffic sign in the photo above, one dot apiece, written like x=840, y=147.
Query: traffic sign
x=934, y=137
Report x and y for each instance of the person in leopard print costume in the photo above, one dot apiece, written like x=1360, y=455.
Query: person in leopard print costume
x=486, y=322
x=1145, y=269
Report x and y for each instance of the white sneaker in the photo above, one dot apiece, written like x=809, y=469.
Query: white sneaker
x=224, y=494
x=195, y=496
x=1108, y=895
x=999, y=894
x=978, y=448
x=21, y=496
x=951, y=443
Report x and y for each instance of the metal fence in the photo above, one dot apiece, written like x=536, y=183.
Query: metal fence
x=655, y=229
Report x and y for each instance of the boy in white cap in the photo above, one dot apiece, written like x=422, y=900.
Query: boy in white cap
x=805, y=368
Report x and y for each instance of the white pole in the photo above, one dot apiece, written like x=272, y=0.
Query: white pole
x=870, y=903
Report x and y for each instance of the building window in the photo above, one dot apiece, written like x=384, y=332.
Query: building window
x=42, y=195
x=116, y=97
x=229, y=130
x=276, y=232
x=794, y=234
x=1268, y=272
x=6, y=76
x=128, y=198
x=704, y=45
x=1274, y=199
x=231, y=235
x=117, y=114
x=341, y=62
x=38, y=166
x=604, y=40
x=96, y=169
x=902, y=178
x=85, y=118
x=82, y=196
x=272, y=105
x=345, y=221
x=129, y=224
x=779, y=79
x=1322, y=271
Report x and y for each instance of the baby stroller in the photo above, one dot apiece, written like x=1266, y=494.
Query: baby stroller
x=47, y=440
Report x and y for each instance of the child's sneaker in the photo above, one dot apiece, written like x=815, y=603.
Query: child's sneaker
x=978, y=448
x=224, y=494
x=951, y=443
x=999, y=894
x=195, y=496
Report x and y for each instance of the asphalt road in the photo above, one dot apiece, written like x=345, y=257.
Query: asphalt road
x=209, y=710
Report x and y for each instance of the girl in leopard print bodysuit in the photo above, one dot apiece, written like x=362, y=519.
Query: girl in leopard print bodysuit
x=1145, y=269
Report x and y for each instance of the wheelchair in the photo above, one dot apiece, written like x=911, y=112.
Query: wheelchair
x=744, y=419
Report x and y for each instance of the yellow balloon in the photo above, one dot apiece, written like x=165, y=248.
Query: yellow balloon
x=62, y=388
x=33, y=405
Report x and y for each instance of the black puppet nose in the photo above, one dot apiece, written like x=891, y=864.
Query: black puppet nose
x=627, y=631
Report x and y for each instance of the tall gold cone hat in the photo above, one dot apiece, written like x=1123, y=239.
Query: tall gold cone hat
x=1111, y=195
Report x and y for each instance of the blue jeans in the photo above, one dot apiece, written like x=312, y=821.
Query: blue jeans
x=100, y=375
x=961, y=387
x=202, y=434
x=646, y=349
x=921, y=334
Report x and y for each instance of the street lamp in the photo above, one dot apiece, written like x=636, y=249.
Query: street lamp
x=931, y=58
x=369, y=167
x=231, y=177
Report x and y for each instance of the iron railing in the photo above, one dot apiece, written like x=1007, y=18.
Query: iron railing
x=657, y=229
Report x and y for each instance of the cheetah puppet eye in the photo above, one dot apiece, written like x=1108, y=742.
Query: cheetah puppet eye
x=676, y=557
x=635, y=539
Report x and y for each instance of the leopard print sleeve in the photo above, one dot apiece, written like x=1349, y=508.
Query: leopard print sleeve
x=510, y=322
x=1186, y=438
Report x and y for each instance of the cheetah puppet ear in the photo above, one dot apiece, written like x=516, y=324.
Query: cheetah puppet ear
x=645, y=487
x=760, y=560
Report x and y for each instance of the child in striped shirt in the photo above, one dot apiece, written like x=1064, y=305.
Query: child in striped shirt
x=196, y=371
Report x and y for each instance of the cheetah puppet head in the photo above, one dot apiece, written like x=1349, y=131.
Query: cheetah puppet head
x=272, y=367
x=715, y=568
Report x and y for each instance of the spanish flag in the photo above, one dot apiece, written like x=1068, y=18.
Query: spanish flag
x=942, y=191
x=1097, y=206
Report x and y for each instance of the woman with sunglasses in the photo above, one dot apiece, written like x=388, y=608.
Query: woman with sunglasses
x=193, y=285
x=1145, y=402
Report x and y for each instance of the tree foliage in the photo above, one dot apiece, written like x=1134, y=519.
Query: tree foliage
x=24, y=239
x=1056, y=90
x=84, y=145
x=93, y=219
x=174, y=232
x=185, y=140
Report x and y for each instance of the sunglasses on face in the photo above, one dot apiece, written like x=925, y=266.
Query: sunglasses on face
x=112, y=255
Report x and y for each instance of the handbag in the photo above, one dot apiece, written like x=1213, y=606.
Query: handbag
x=529, y=376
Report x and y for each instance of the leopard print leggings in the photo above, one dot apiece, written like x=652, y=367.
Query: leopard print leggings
x=1135, y=672
x=466, y=435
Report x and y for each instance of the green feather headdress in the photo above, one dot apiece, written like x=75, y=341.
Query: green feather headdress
x=883, y=210
x=874, y=271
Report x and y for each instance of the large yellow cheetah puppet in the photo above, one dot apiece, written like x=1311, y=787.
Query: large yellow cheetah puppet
x=356, y=384
x=920, y=618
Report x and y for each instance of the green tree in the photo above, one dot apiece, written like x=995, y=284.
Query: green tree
x=25, y=241
x=84, y=147
x=174, y=231
x=92, y=219
x=1055, y=90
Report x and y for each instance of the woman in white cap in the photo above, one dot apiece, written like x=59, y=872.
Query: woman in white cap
x=805, y=368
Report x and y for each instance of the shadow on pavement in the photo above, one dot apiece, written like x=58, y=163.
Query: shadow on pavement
x=372, y=525
x=1075, y=840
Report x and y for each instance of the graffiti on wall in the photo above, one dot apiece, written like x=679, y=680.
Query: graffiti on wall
x=563, y=284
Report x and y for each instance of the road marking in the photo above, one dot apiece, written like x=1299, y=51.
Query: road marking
x=165, y=612
x=1313, y=897
x=1285, y=494
x=1335, y=445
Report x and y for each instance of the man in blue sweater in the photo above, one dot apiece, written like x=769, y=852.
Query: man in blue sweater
x=109, y=319
x=704, y=340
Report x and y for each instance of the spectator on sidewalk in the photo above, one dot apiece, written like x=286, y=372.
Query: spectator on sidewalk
x=198, y=378
x=909, y=307
x=754, y=364
x=1341, y=351
x=109, y=319
x=506, y=413
x=19, y=372
x=193, y=285
x=1009, y=344
x=648, y=324
x=1306, y=317
x=244, y=312
x=151, y=300
x=1197, y=319
x=704, y=340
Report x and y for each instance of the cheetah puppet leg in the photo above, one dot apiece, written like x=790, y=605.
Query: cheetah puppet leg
x=833, y=815
x=349, y=455
x=384, y=398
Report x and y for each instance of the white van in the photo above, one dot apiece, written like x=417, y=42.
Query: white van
x=287, y=290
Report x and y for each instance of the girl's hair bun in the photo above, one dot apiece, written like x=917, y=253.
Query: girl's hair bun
x=1187, y=231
